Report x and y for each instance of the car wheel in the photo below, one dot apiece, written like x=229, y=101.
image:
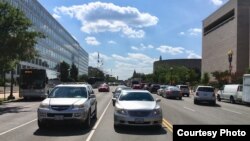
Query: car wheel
x=218, y=98
x=95, y=113
x=180, y=98
x=195, y=102
x=117, y=126
x=41, y=124
x=214, y=103
x=88, y=121
x=232, y=100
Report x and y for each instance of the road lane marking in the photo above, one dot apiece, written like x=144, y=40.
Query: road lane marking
x=189, y=109
x=231, y=111
x=167, y=125
x=17, y=127
x=97, y=123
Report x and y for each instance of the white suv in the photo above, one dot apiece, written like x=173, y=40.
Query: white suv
x=204, y=94
x=68, y=102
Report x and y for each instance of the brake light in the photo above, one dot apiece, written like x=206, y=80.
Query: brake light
x=197, y=94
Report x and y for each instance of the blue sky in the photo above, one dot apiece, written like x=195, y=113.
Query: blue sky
x=132, y=34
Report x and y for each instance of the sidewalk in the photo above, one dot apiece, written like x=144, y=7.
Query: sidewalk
x=7, y=92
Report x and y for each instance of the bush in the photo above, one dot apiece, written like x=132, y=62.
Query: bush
x=1, y=82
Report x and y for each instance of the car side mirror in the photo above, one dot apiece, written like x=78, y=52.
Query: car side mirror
x=92, y=96
x=158, y=100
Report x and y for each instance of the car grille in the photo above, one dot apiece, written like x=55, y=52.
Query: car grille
x=61, y=114
x=139, y=113
x=60, y=107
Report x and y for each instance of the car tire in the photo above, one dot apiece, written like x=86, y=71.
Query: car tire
x=180, y=98
x=213, y=103
x=218, y=98
x=41, y=124
x=232, y=100
x=95, y=113
x=195, y=102
x=117, y=126
x=87, y=122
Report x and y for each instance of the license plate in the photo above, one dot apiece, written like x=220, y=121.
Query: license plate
x=58, y=117
x=139, y=120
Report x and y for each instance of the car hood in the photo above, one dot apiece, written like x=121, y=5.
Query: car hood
x=64, y=101
x=137, y=105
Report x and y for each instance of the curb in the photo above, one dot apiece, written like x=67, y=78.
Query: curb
x=8, y=101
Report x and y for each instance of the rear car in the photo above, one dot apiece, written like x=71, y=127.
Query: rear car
x=205, y=94
x=161, y=90
x=117, y=92
x=184, y=90
x=136, y=86
x=172, y=92
x=68, y=102
x=154, y=87
x=137, y=108
x=103, y=88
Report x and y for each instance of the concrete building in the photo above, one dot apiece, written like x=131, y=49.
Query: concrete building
x=188, y=63
x=58, y=46
x=224, y=30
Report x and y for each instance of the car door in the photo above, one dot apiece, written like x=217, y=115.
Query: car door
x=91, y=100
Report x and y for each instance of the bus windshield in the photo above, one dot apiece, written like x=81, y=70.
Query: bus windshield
x=32, y=79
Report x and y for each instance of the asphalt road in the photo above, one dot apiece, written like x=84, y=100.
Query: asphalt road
x=18, y=121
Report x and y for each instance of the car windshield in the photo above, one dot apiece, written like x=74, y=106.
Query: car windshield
x=184, y=87
x=68, y=92
x=136, y=96
x=173, y=88
x=206, y=89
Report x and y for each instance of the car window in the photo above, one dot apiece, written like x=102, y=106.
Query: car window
x=68, y=92
x=205, y=89
x=136, y=96
x=184, y=87
x=240, y=88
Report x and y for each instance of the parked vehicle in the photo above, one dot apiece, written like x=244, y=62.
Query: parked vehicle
x=172, y=92
x=103, y=88
x=231, y=92
x=137, y=108
x=161, y=90
x=246, y=89
x=205, y=94
x=184, y=90
x=68, y=102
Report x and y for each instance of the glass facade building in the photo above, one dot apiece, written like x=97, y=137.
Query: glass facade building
x=58, y=46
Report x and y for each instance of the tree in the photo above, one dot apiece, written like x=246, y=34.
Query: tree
x=205, y=79
x=64, y=71
x=134, y=74
x=17, y=39
x=83, y=78
x=74, y=72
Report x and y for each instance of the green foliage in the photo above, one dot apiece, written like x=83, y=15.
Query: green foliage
x=95, y=72
x=64, y=71
x=205, y=79
x=83, y=78
x=17, y=37
x=74, y=72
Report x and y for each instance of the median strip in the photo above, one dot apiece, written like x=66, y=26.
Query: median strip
x=168, y=125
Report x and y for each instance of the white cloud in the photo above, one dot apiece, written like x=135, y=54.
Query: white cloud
x=182, y=33
x=217, y=2
x=120, y=58
x=191, y=54
x=142, y=47
x=192, y=32
x=56, y=16
x=112, y=42
x=106, y=17
x=171, y=50
x=92, y=41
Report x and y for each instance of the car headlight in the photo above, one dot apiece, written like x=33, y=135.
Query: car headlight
x=157, y=111
x=121, y=111
x=44, y=106
x=80, y=106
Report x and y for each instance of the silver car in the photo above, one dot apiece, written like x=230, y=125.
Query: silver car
x=205, y=94
x=68, y=102
x=138, y=108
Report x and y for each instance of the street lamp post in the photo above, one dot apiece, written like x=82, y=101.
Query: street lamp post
x=230, y=59
x=171, y=70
